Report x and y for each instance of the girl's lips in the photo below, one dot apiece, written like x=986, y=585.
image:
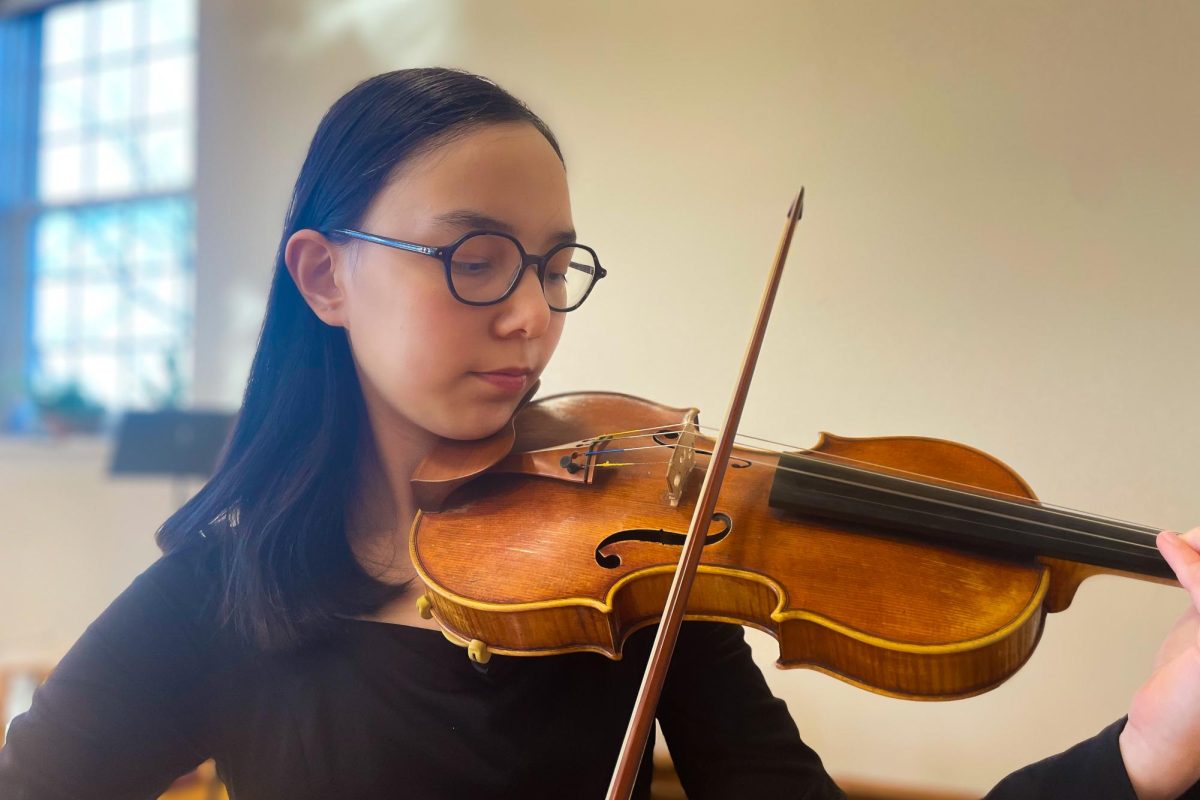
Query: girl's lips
x=506, y=381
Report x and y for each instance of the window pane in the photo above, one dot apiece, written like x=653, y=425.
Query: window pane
x=52, y=310
x=172, y=21
x=151, y=322
x=163, y=295
x=62, y=104
x=167, y=155
x=99, y=313
x=153, y=237
x=169, y=85
x=63, y=34
x=161, y=235
x=98, y=378
x=114, y=94
x=114, y=165
x=61, y=174
x=116, y=26
x=55, y=244
x=100, y=239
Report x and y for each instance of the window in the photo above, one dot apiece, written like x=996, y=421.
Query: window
x=106, y=226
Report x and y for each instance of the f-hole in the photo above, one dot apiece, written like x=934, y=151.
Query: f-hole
x=660, y=536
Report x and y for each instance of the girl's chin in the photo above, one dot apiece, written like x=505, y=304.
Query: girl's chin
x=480, y=425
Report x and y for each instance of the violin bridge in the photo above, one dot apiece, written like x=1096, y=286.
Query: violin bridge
x=679, y=469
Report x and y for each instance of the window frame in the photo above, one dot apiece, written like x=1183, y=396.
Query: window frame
x=22, y=38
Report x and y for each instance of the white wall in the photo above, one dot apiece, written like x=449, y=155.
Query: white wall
x=71, y=539
x=998, y=248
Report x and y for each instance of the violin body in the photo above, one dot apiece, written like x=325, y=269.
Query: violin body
x=538, y=564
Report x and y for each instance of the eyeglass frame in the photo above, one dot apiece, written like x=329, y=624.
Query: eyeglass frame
x=446, y=252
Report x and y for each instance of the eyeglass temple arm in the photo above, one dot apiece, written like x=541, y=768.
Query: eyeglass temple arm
x=383, y=240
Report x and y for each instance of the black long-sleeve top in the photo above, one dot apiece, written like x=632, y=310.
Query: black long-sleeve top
x=156, y=685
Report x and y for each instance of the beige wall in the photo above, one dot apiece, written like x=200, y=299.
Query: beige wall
x=999, y=249
x=71, y=540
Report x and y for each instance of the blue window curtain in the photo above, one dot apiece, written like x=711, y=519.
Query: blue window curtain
x=20, y=54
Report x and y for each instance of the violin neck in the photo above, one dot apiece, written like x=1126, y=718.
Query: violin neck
x=814, y=486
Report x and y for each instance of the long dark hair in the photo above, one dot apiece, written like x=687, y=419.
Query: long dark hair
x=275, y=507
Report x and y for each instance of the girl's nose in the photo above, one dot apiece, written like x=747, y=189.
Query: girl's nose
x=526, y=311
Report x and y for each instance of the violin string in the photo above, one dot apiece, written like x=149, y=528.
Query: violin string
x=867, y=467
x=1137, y=531
x=920, y=479
x=1070, y=514
x=1017, y=500
x=966, y=507
x=1122, y=550
x=870, y=467
x=1141, y=530
x=1133, y=528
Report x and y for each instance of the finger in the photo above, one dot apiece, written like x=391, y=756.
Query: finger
x=1192, y=537
x=1184, y=560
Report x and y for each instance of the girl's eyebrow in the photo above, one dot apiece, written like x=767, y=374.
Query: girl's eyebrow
x=468, y=218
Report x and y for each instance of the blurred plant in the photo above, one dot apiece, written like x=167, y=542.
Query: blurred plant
x=68, y=410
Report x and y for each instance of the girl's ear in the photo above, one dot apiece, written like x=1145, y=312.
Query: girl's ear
x=314, y=264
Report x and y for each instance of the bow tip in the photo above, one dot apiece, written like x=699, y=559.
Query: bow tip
x=797, y=208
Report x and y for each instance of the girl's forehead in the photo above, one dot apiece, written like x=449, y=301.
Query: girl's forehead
x=506, y=172
x=511, y=153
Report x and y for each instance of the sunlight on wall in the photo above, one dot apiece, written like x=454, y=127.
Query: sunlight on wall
x=418, y=32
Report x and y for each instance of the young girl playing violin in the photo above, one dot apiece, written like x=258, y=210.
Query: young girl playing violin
x=420, y=289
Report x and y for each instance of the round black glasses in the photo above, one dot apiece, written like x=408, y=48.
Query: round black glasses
x=484, y=267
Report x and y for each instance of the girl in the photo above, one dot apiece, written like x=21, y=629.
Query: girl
x=275, y=634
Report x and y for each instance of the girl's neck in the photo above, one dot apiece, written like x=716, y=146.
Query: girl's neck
x=381, y=507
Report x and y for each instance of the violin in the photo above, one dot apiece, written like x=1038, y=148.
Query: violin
x=908, y=566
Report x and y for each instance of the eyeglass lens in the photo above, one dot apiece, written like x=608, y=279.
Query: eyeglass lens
x=483, y=267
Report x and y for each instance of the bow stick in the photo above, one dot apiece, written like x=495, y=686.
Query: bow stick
x=636, y=735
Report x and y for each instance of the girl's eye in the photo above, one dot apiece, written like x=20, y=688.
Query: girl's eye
x=471, y=268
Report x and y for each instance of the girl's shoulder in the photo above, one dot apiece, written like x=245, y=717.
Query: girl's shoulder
x=173, y=606
x=185, y=584
x=136, y=681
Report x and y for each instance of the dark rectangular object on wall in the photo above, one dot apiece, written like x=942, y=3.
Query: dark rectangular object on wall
x=170, y=442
